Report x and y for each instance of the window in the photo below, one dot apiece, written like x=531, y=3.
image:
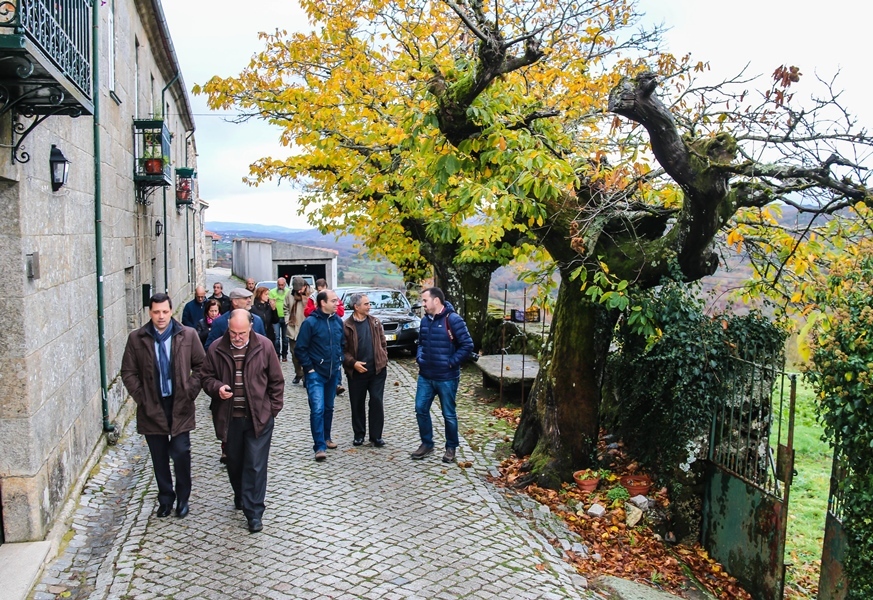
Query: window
x=110, y=30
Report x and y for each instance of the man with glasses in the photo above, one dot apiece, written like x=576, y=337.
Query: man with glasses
x=243, y=376
x=240, y=298
x=365, y=360
x=193, y=311
x=320, y=352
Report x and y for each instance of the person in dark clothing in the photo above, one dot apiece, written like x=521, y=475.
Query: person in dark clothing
x=211, y=312
x=265, y=307
x=194, y=310
x=444, y=343
x=365, y=360
x=223, y=300
x=161, y=370
x=241, y=298
x=243, y=377
x=319, y=349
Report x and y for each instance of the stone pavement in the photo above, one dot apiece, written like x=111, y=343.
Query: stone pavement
x=366, y=523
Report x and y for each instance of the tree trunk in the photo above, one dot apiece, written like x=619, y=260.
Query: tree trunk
x=466, y=286
x=560, y=419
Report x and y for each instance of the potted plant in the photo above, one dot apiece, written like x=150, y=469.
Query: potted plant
x=587, y=480
x=636, y=485
x=153, y=159
x=183, y=190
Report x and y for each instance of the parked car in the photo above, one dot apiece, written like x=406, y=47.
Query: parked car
x=392, y=308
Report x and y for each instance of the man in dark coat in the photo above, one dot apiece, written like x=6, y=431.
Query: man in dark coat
x=192, y=314
x=243, y=377
x=320, y=352
x=365, y=360
x=240, y=298
x=218, y=294
x=444, y=343
x=161, y=371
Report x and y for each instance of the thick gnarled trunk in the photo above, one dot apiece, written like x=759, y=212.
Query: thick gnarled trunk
x=560, y=418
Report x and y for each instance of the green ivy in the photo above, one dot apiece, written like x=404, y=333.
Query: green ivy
x=668, y=387
x=841, y=373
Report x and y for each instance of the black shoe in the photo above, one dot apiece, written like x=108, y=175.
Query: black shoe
x=449, y=456
x=378, y=443
x=421, y=452
x=164, y=510
x=340, y=390
x=255, y=525
x=358, y=441
x=182, y=510
x=297, y=380
x=223, y=459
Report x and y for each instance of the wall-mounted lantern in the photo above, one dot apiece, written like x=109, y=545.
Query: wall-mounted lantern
x=60, y=168
x=159, y=228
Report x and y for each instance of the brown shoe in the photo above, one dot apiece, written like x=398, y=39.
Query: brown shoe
x=320, y=455
x=340, y=390
x=330, y=444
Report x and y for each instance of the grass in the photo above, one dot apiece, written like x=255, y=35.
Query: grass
x=808, y=498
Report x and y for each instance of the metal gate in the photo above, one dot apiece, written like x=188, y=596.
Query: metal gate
x=832, y=583
x=751, y=464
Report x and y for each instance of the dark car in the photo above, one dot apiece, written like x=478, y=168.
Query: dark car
x=392, y=308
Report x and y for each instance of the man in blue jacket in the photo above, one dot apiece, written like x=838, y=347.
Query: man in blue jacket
x=193, y=311
x=320, y=352
x=239, y=298
x=444, y=343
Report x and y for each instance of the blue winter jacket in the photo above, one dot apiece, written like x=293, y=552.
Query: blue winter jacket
x=439, y=357
x=192, y=313
x=320, y=343
x=219, y=326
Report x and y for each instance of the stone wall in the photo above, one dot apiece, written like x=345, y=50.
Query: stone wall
x=50, y=387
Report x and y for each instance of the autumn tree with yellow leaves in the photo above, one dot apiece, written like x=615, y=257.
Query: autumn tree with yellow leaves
x=459, y=134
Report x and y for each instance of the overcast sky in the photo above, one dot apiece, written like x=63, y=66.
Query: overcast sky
x=218, y=37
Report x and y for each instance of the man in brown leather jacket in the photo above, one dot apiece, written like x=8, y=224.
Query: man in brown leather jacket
x=161, y=371
x=365, y=360
x=243, y=376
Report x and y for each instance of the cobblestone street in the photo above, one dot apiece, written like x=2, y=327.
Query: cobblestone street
x=367, y=523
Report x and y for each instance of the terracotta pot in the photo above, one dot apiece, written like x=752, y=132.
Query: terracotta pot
x=636, y=485
x=153, y=166
x=585, y=485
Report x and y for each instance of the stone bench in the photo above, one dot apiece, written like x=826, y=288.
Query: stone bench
x=509, y=367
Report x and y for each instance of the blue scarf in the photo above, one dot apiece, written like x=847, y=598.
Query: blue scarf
x=163, y=359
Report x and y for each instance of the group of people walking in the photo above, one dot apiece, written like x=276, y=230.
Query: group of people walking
x=224, y=347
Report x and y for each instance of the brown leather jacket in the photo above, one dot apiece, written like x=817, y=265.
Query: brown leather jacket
x=350, y=348
x=262, y=377
x=139, y=374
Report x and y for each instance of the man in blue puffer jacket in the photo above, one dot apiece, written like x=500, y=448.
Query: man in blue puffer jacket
x=444, y=343
x=320, y=352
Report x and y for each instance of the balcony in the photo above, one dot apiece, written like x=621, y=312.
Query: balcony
x=45, y=60
x=151, y=157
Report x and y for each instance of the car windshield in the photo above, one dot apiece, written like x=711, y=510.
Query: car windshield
x=384, y=300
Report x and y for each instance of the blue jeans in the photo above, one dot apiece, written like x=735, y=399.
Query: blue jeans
x=321, y=392
x=280, y=339
x=424, y=394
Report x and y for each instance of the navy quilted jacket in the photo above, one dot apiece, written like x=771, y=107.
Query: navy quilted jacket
x=320, y=343
x=439, y=358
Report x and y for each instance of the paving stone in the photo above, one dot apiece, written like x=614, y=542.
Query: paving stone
x=366, y=523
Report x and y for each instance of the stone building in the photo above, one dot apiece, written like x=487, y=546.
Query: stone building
x=264, y=260
x=81, y=252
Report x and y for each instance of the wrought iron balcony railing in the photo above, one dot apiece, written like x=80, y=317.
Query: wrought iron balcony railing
x=45, y=60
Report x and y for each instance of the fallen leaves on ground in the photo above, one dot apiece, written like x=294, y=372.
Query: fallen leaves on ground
x=510, y=415
x=630, y=553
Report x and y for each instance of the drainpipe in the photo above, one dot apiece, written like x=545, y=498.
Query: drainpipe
x=98, y=220
x=166, y=224
x=192, y=277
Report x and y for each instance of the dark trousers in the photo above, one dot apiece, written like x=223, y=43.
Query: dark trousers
x=247, y=464
x=358, y=390
x=178, y=448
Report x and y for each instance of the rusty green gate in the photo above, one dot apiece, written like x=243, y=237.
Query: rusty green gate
x=751, y=464
x=832, y=584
